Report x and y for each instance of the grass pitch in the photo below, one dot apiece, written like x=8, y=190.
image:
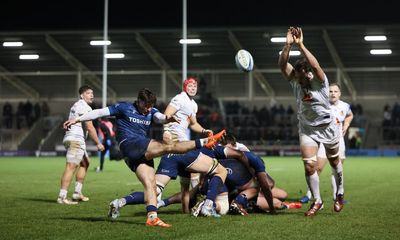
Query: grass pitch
x=29, y=188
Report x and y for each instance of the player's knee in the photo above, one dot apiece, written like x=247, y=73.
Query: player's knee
x=333, y=156
x=222, y=172
x=310, y=165
x=159, y=187
x=311, y=159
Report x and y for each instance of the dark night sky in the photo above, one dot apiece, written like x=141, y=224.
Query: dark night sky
x=30, y=15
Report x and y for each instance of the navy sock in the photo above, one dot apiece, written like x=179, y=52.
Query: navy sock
x=213, y=188
x=166, y=202
x=198, y=143
x=242, y=199
x=151, y=208
x=134, y=198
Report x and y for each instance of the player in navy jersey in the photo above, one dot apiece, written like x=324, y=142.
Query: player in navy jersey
x=239, y=181
x=253, y=163
x=133, y=124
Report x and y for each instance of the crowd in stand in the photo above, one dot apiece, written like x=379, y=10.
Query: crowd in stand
x=272, y=125
x=391, y=122
x=25, y=115
x=275, y=124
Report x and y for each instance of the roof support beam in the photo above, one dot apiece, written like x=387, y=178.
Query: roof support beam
x=18, y=83
x=256, y=74
x=158, y=59
x=77, y=65
x=334, y=54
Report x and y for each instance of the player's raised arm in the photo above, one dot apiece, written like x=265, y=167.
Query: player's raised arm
x=283, y=62
x=298, y=39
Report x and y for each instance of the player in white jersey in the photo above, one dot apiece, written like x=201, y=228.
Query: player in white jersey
x=316, y=123
x=184, y=108
x=343, y=115
x=74, y=142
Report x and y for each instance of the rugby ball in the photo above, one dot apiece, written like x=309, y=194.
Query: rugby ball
x=244, y=60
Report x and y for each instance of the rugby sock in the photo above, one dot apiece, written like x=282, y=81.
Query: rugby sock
x=201, y=142
x=165, y=202
x=159, y=189
x=308, y=193
x=214, y=187
x=313, y=184
x=194, y=179
x=242, y=199
x=334, y=187
x=151, y=212
x=63, y=193
x=78, y=187
x=134, y=198
x=121, y=202
x=338, y=174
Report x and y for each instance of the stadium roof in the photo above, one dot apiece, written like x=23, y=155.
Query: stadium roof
x=148, y=36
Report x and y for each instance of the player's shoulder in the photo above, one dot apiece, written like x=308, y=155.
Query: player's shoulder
x=123, y=105
x=154, y=110
x=81, y=104
x=180, y=96
x=343, y=104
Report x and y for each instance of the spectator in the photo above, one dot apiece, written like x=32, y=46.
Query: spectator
x=355, y=141
x=45, y=109
x=28, y=110
x=7, y=115
x=20, y=115
x=107, y=134
x=37, y=111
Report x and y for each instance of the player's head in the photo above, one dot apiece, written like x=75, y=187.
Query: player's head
x=190, y=86
x=229, y=140
x=145, y=101
x=86, y=93
x=334, y=93
x=303, y=72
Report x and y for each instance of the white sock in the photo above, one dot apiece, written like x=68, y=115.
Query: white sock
x=159, y=189
x=308, y=193
x=208, y=203
x=313, y=183
x=78, y=187
x=338, y=174
x=121, y=202
x=160, y=203
x=194, y=180
x=334, y=187
x=63, y=193
x=203, y=141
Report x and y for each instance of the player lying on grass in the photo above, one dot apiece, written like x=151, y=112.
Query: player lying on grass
x=240, y=178
x=184, y=164
x=242, y=188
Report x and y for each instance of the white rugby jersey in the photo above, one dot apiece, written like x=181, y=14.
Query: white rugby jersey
x=340, y=110
x=75, y=132
x=313, y=107
x=186, y=108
